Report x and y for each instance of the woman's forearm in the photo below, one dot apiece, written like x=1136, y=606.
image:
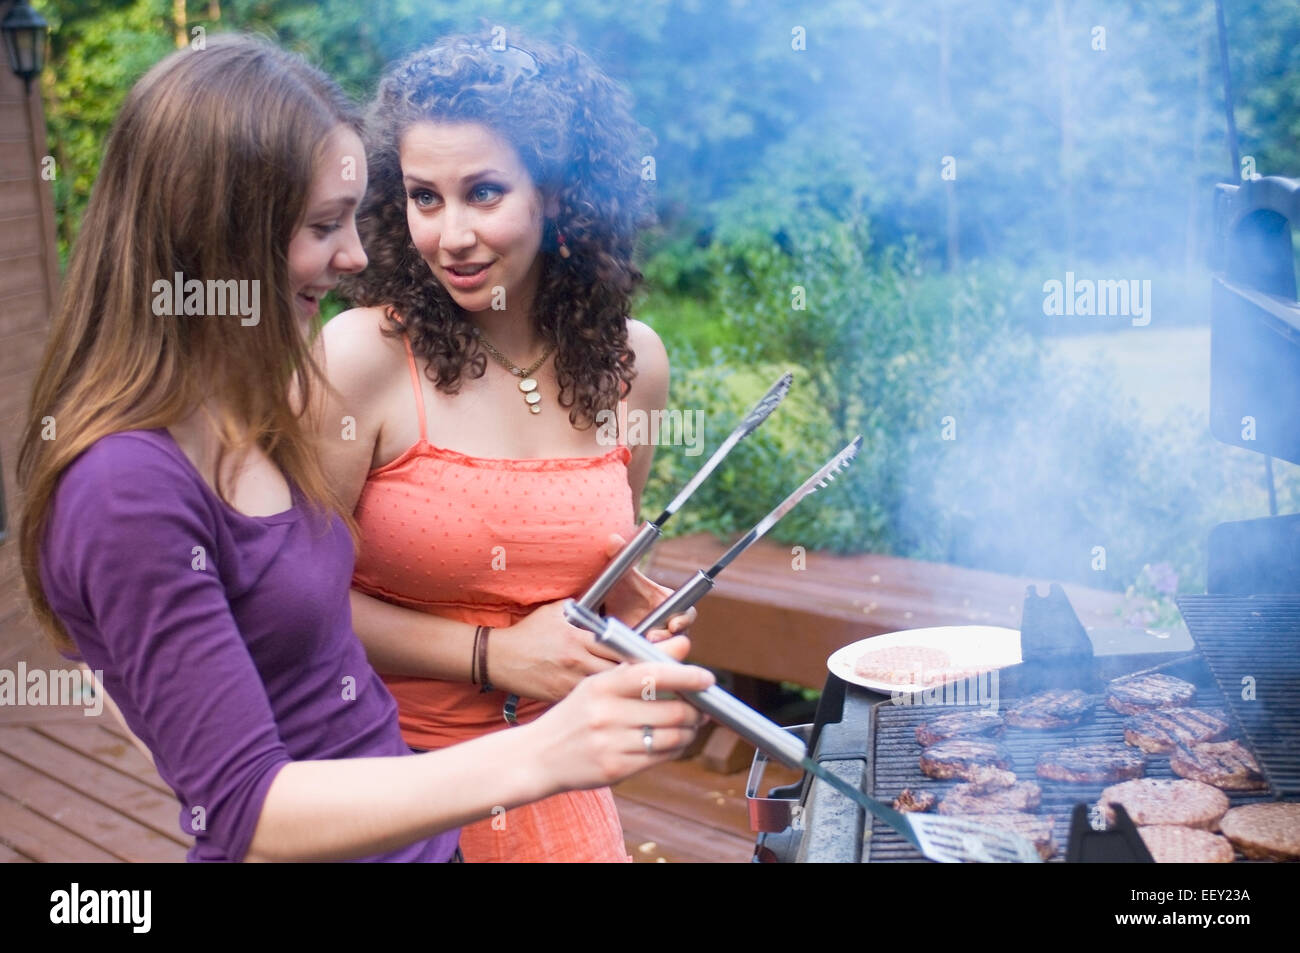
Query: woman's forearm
x=542, y=657
x=342, y=810
x=401, y=641
x=528, y=659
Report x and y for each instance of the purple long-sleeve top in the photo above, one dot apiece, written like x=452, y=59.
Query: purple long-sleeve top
x=225, y=639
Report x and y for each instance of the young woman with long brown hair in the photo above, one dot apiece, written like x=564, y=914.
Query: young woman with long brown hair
x=177, y=531
x=466, y=415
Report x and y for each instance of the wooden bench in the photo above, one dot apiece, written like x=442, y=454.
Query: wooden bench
x=770, y=620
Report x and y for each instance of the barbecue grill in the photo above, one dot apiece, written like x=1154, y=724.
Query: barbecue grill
x=1245, y=630
x=870, y=741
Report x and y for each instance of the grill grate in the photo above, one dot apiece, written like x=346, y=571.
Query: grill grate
x=897, y=766
x=1256, y=637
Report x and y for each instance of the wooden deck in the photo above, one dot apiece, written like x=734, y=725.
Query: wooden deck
x=73, y=789
x=74, y=792
x=684, y=812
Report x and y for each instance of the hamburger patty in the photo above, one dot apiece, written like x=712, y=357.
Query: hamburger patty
x=977, y=799
x=1138, y=693
x=1225, y=764
x=1095, y=762
x=914, y=802
x=1032, y=827
x=1264, y=831
x=1160, y=731
x=959, y=724
x=963, y=758
x=904, y=665
x=989, y=777
x=1171, y=844
x=1057, y=708
x=1164, y=801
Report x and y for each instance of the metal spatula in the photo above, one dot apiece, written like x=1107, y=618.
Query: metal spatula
x=963, y=840
x=945, y=839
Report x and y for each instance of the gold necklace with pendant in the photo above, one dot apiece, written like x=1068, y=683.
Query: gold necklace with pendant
x=528, y=383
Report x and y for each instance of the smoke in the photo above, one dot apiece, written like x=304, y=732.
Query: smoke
x=1077, y=143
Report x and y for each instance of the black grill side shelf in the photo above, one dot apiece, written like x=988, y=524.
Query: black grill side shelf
x=1252, y=646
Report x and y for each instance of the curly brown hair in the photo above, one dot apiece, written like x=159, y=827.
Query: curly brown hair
x=573, y=129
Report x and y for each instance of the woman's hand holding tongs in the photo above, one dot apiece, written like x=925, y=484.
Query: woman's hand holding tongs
x=543, y=657
x=636, y=596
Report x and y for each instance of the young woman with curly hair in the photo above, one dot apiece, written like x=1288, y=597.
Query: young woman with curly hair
x=178, y=533
x=466, y=424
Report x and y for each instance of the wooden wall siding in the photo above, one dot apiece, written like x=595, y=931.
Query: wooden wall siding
x=28, y=285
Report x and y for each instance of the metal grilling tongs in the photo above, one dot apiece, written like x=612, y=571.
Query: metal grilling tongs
x=640, y=544
x=701, y=584
x=945, y=839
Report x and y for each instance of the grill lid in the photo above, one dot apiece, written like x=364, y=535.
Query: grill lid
x=1255, y=319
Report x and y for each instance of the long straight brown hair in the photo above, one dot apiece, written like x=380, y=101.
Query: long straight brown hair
x=206, y=172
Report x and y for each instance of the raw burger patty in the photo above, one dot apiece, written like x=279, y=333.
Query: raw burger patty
x=1032, y=827
x=1163, y=801
x=1138, y=693
x=963, y=758
x=1225, y=764
x=1264, y=831
x=914, y=802
x=1171, y=844
x=976, y=799
x=1052, y=709
x=1160, y=731
x=1098, y=762
x=904, y=665
x=959, y=724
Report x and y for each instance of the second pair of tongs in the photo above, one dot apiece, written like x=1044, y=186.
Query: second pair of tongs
x=640, y=544
x=701, y=583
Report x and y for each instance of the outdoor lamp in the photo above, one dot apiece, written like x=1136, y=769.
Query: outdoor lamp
x=24, y=31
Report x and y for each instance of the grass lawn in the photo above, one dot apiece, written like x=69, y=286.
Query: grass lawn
x=1166, y=370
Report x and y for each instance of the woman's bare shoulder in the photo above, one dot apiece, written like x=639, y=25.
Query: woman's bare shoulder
x=651, y=361
x=357, y=352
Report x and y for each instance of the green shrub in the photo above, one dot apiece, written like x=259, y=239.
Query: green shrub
x=764, y=468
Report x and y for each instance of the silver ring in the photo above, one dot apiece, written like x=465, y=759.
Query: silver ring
x=648, y=738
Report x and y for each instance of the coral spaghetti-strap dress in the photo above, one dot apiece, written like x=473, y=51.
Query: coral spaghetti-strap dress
x=486, y=541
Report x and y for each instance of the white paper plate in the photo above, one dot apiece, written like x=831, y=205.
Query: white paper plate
x=969, y=647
